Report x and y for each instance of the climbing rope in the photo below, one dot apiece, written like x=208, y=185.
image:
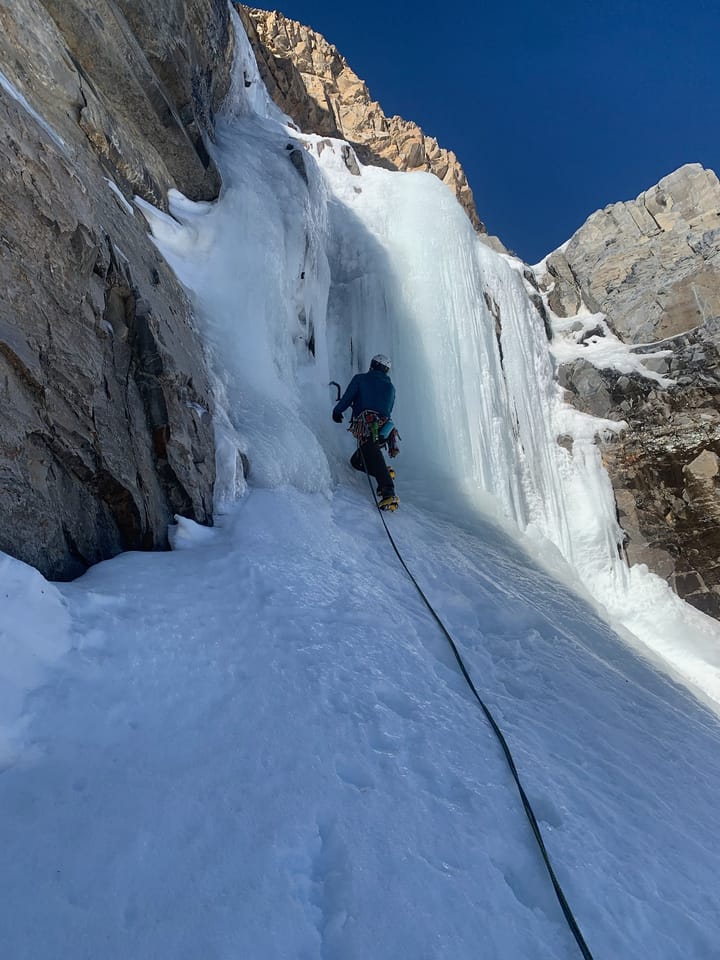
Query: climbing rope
x=562, y=899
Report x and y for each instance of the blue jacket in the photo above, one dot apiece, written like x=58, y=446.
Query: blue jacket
x=368, y=391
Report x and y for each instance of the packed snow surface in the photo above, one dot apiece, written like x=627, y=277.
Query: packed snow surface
x=34, y=634
x=259, y=745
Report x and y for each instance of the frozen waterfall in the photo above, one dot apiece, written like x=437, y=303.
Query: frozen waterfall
x=303, y=270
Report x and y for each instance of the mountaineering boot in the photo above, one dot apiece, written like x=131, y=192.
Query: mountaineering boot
x=389, y=502
x=378, y=491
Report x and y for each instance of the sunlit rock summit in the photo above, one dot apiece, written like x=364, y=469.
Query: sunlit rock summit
x=314, y=84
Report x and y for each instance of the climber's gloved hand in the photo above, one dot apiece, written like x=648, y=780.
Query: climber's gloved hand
x=337, y=417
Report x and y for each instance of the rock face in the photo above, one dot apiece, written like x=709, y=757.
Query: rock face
x=311, y=82
x=106, y=403
x=652, y=266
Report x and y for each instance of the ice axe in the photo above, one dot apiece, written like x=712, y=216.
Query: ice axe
x=334, y=383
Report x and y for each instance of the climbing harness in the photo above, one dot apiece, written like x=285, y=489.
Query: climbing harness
x=367, y=425
x=559, y=893
x=371, y=425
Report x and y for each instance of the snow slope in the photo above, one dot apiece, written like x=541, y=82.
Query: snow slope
x=259, y=745
x=34, y=635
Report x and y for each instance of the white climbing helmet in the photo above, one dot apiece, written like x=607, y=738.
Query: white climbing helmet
x=380, y=362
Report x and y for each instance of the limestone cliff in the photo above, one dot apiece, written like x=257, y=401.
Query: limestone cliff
x=652, y=266
x=106, y=404
x=314, y=85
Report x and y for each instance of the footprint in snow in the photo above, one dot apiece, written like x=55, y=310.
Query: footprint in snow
x=398, y=702
x=354, y=774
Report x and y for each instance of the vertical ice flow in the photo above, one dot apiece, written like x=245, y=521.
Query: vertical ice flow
x=256, y=266
x=477, y=401
x=303, y=270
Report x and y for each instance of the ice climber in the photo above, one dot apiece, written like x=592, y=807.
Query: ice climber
x=372, y=397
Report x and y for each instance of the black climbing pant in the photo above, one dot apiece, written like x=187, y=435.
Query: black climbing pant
x=376, y=466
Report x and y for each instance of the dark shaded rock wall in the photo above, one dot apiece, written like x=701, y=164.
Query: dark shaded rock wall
x=106, y=426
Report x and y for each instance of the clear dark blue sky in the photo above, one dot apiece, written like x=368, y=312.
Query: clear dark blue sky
x=554, y=109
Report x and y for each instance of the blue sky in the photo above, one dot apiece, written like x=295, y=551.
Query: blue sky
x=554, y=110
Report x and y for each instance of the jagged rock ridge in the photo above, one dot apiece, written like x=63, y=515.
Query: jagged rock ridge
x=312, y=82
x=652, y=267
